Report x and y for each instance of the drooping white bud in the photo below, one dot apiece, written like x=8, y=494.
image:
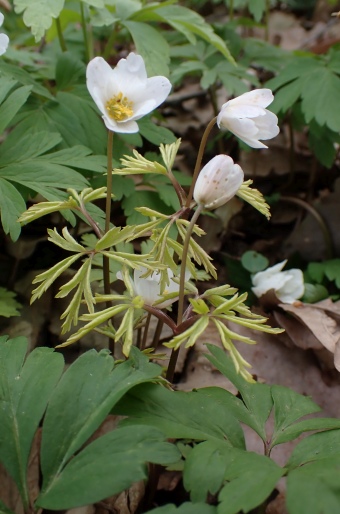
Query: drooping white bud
x=218, y=181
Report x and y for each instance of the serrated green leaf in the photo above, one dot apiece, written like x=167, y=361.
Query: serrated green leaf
x=156, y=134
x=314, y=488
x=107, y=466
x=332, y=270
x=84, y=396
x=317, y=446
x=185, y=508
x=251, y=480
x=257, y=8
x=204, y=470
x=37, y=15
x=19, y=74
x=185, y=21
x=29, y=146
x=180, y=415
x=12, y=104
x=8, y=305
x=69, y=69
x=25, y=390
x=12, y=205
x=256, y=397
x=151, y=45
x=314, y=293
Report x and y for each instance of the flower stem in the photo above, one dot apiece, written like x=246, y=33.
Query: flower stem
x=106, y=262
x=199, y=159
x=84, y=29
x=60, y=35
x=174, y=354
x=110, y=43
x=231, y=9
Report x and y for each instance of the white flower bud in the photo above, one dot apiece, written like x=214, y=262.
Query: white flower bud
x=288, y=285
x=218, y=182
x=247, y=118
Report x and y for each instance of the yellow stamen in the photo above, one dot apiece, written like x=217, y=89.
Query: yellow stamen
x=119, y=107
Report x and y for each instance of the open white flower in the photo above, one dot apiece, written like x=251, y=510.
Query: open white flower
x=124, y=94
x=149, y=287
x=4, y=39
x=288, y=285
x=218, y=181
x=247, y=118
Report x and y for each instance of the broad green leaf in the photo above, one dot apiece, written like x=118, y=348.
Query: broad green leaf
x=318, y=446
x=12, y=205
x=125, y=8
x=289, y=406
x=180, y=415
x=85, y=395
x=251, y=479
x=94, y=3
x=28, y=146
x=8, y=305
x=256, y=397
x=332, y=271
x=185, y=21
x=322, y=141
x=38, y=15
x=185, y=508
x=151, y=45
x=25, y=389
x=154, y=133
x=314, y=488
x=254, y=261
x=22, y=76
x=107, y=466
x=257, y=8
x=316, y=271
x=314, y=293
x=204, y=469
x=69, y=69
x=12, y=104
x=6, y=84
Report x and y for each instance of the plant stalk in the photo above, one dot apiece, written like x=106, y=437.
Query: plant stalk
x=174, y=354
x=84, y=29
x=60, y=35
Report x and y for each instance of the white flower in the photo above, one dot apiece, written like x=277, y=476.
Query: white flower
x=149, y=287
x=124, y=94
x=288, y=285
x=4, y=39
x=218, y=181
x=247, y=118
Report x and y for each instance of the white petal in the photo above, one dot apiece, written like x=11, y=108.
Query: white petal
x=267, y=126
x=275, y=282
x=231, y=110
x=294, y=288
x=262, y=275
x=259, y=97
x=124, y=127
x=1, y=18
x=4, y=40
x=146, y=99
x=98, y=78
x=132, y=66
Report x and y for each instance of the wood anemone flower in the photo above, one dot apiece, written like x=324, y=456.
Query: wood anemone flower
x=4, y=39
x=288, y=285
x=218, y=181
x=247, y=118
x=124, y=94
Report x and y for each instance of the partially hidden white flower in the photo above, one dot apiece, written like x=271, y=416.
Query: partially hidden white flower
x=124, y=94
x=218, y=181
x=4, y=39
x=149, y=287
x=247, y=118
x=288, y=285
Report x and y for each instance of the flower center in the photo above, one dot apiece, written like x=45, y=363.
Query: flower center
x=119, y=107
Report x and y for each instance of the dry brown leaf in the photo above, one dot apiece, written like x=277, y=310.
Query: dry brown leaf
x=9, y=493
x=324, y=328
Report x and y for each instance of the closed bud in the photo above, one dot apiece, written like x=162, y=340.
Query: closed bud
x=218, y=182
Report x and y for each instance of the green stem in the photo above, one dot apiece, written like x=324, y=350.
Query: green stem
x=60, y=35
x=266, y=34
x=106, y=262
x=110, y=43
x=199, y=159
x=84, y=28
x=174, y=354
x=145, y=333
x=231, y=9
